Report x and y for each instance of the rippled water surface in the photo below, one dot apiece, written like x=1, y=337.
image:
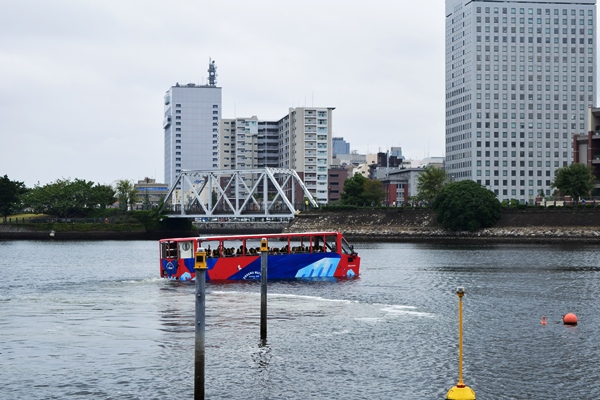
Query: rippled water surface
x=93, y=320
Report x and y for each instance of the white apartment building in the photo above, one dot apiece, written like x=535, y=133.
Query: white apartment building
x=247, y=143
x=301, y=140
x=305, y=136
x=519, y=79
x=191, y=126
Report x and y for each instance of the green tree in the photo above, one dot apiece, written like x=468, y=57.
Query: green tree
x=430, y=182
x=103, y=195
x=360, y=190
x=466, y=205
x=126, y=194
x=10, y=196
x=63, y=198
x=373, y=192
x=574, y=180
x=354, y=189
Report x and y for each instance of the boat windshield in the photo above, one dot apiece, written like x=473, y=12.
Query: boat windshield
x=346, y=248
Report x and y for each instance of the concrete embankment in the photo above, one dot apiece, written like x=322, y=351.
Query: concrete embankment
x=27, y=232
x=515, y=226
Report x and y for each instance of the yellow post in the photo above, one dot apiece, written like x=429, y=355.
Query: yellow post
x=460, y=391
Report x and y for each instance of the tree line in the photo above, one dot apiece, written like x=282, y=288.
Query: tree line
x=64, y=198
x=462, y=205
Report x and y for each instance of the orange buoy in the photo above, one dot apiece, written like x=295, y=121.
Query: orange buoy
x=570, y=319
x=543, y=321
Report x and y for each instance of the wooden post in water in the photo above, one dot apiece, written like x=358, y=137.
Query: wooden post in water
x=264, y=253
x=200, y=267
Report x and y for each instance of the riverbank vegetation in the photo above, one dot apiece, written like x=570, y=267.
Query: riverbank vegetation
x=80, y=205
x=466, y=206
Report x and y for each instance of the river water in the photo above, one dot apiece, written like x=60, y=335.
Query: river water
x=93, y=320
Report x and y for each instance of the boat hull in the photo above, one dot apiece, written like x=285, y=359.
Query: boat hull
x=281, y=266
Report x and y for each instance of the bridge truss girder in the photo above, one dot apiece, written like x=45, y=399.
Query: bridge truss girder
x=241, y=193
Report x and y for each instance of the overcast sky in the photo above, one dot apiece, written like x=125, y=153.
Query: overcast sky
x=82, y=82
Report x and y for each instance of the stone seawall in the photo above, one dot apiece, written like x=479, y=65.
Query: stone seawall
x=515, y=226
x=23, y=232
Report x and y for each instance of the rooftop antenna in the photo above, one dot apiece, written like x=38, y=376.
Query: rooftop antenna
x=212, y=73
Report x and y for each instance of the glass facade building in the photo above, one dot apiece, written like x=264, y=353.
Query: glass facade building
x=519, y=79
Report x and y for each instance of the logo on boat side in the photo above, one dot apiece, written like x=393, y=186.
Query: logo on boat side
x=169, y=266
x=252, y=275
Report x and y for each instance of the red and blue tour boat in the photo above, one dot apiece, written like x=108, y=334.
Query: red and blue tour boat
x=238, y=257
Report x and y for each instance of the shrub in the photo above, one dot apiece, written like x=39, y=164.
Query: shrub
x=466, y=205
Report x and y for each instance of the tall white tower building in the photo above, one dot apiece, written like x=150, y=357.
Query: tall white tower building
x=519, y=79
x=191, y=126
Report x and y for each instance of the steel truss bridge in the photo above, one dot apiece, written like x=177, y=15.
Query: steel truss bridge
x=244, y=194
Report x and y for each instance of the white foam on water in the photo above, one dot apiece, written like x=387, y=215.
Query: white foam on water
x=405, y=310
x=369, y=320
x=286, y=295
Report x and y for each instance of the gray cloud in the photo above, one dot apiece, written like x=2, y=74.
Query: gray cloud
x=82, y=81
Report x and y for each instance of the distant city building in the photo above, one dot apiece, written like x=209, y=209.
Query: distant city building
x=353, y=158
x=389, y=161
x=191, y=127
x=435, y=161
x=397, y=152
x=300, y=140
x=519, y=77
x=336, y=178
x=247, y=143
x=365, y=168
x=586, y=148
x=400, y=185
x=305, y=145
x=340, y=146
x=149, y=193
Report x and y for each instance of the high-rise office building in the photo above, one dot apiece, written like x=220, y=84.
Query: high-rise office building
x=191, y=126
x=340, y=146
x=519, y=79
